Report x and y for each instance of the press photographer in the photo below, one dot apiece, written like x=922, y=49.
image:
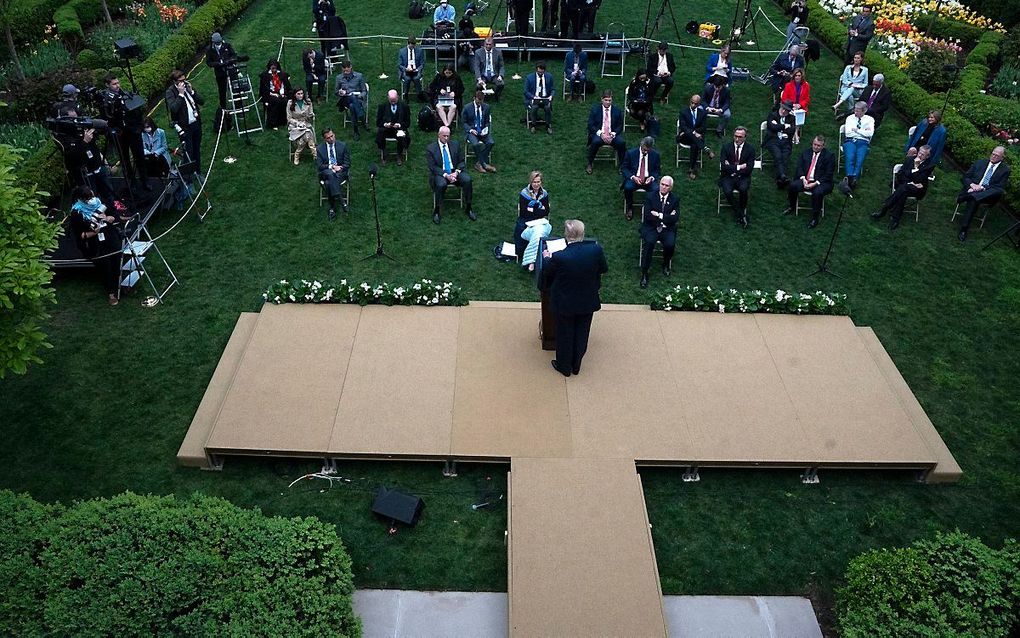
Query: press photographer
x=85, y=163
x=221, y=57
x=68, y=100
x=183, y=104
x=124, y=111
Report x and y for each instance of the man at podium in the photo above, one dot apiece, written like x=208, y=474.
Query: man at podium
x=574, y=276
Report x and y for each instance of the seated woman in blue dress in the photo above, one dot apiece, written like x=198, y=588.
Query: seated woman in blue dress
x=720, y=64
x=532, y=220
x=851, y=84
x=157, y=154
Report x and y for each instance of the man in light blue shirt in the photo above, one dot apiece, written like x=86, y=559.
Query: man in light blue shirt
x=444, y=13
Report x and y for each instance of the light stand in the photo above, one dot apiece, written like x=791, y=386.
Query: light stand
x=1006, y=233
x=736, y=33
x=823, y=265
x=649, y=32
x=373, y=170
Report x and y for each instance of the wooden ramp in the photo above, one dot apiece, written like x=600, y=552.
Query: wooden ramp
x=581, y=561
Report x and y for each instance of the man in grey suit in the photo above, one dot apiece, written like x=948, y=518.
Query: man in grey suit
x=334, y=163
x=859, y=33
x=476, y=118
x=488, y=68
x=983, y=185
x=410, y=62
x=445, y=160
x=351, y=92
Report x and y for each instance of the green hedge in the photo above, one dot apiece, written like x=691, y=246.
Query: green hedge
x=953, y=585
x=143, y=565
x=74, y=17
x=964, y=142
x=984, y=109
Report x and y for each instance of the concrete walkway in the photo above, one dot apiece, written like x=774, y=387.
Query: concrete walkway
x=388, y=613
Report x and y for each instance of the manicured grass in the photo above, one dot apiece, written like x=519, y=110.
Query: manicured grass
x=110, y=406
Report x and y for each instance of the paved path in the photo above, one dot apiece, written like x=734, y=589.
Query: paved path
x=393, y=613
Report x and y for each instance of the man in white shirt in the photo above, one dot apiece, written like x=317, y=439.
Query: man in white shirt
x=488, y=68
x=660, y=69
x=858, y=131
x=410, y=61
x=539, y=90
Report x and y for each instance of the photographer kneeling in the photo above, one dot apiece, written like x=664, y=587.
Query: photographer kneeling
x=98, y=238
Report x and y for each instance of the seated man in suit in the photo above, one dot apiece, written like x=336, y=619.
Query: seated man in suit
x=334, y=164
x=539, y=91
x=445, y=160
x=314, y=65
x=575, y=276
x=487, y=65
x=815, y=169
x=641, y=168
x=605, y=126
x=928, y=131
x=410, y=61
x=691, y=131
x=575, y=70
x=351, y=92
x=858, y=131
x=782, y=69
x=983, y=185
x=393, y=122
x=660, y=69
x=877, y=98
x=735, y=173
x=779, y=131
x=716, y=99
x=658, y=223
x=910, y=181
x=476, y=118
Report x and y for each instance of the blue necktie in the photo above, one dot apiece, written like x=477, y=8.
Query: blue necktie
x=447, y=164
x=988, y=174
x=332, y=156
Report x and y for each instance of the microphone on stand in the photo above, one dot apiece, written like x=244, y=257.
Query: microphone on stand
x=373, y=170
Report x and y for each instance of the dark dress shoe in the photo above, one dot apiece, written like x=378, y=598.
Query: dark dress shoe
x=435, y=218
x=644, y=281
x=471, y=215
x=744, y=222
x=343, y=207
x=629, y=213
x=576, y=370
x=666, y=271
x=332, y=214
x=812, y=223
x=962, y=236
x=878, y=214
x=557, y=368
x=894, y=223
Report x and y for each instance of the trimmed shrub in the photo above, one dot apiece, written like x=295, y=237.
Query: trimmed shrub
x=144, y=565
x=88, y=59
x=928, y=66
x=951, y=586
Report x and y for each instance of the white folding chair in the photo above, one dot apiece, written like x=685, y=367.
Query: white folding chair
x=762, y=159
x=348, y=111
x=687, y=149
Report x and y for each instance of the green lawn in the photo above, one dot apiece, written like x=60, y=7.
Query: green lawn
x=110, y=406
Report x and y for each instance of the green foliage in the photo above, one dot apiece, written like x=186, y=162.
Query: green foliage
x=88, y=59
x=134, y=565
x=952, y=585
x=149, y=32
x=927, y=67
x=1007, y=81
x=24, y=135
x=74, y=17
x=34, y=96
x=47, y=57
x=25, y=236
x=953, y=30
x=1005, y=11
x=1010, y=47
x=682, y=297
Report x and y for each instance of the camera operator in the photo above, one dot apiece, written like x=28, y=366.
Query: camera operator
x=183, y=103
x=68, y=100
x=125, y=129
x=82, y=158
x=98, y=238
x=219, y=56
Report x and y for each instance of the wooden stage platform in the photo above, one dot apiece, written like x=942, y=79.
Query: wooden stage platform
x=472, y=383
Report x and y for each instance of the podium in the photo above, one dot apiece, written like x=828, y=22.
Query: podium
x=547, y=323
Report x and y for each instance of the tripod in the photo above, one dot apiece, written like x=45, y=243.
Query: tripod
x=379, y=251
x=648, y=33
x=1014, y=227
x=823, y=265
x=745, y=19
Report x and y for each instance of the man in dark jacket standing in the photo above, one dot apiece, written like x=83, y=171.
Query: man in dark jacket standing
x=575, y=276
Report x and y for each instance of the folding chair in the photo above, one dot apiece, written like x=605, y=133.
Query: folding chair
x=348, y=111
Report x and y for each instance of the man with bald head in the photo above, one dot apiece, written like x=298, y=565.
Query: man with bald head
x=393, y=122
x=445, y=160
x=983, y=185
x=658, y=224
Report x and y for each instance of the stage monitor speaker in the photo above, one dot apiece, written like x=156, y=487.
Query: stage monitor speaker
x=126, y=49
x=397, y=506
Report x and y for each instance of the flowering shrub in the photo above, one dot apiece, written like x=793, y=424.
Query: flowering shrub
x=928, y=65
x=1007, y=81
x=779, y=302
x=422, y=293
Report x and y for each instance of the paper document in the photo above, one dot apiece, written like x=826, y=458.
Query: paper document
x=508, y=250
x=555, y=245
x=536, y=222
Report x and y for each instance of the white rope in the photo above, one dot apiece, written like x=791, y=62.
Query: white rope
x=763, y=14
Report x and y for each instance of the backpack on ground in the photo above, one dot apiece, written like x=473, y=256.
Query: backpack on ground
x=427, y=119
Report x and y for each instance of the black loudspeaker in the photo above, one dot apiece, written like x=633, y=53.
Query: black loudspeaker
x=397, y=506
x=126, y=49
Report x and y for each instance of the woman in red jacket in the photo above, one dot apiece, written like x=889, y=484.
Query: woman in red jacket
x=798, y=92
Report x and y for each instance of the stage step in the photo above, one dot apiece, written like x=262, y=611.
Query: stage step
x=192, y=451
x=946, y=470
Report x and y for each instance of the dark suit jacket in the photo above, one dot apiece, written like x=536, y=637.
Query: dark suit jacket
x=865, y=28
x=785, y=64
x=920, y=177
x=595, y=119
x=582, y=63
x=776, y=124
x=434, y=157
x=824, y=168
x=728, y=164
x=937, y=139
x=178, y=107
x=650, y=225
x=403, y=58
x=467, y=118
x=343, y=156
x=995, y=187
x=575, y=274
x=881, y=104
x=706, y=97
x=216, y=59
x=653, y=64
x=633, y=158
x=315, y=66
x=693, y=124
x=531, y=87
x=383, y=115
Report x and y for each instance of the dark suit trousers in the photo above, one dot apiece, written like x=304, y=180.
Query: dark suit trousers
x=333, y=182
x=595, y=143
x=668, y=239
x=221, y=87
x=818, y=194
x=311, y=79
x=974, y=201
x=736, y=183
x=697, y=145
x=192, y=139
x=439, y=186
x=656, y=82
x=572, y=340
x=895, y=202
x=780, y=152
x=382, y=134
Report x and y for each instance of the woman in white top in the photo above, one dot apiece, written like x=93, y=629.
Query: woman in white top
x=851, y=84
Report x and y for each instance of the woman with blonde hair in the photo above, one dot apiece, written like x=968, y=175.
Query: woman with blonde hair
x=532, y=220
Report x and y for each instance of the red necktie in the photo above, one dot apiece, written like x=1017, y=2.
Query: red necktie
x=811, y=169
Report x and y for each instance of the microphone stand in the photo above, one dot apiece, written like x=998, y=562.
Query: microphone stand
x=379, y=251
x=823, y=265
